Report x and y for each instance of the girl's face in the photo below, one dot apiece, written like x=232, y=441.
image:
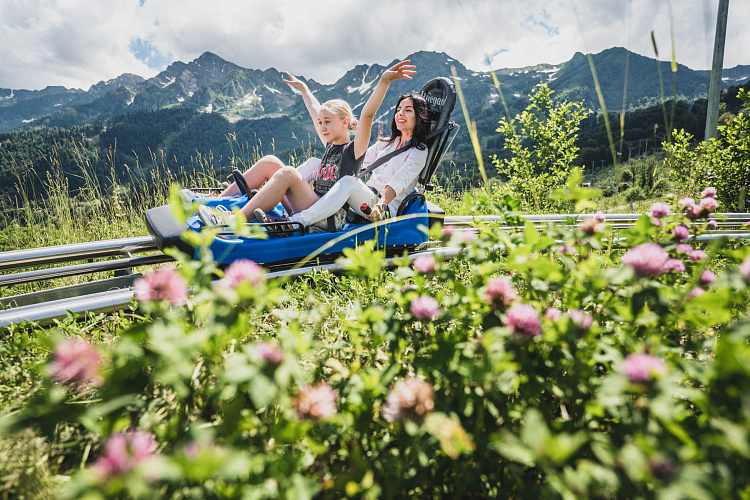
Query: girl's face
x=332, y=127
x=406, y=117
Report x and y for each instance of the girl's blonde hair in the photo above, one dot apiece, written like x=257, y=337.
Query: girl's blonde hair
x=341, y=108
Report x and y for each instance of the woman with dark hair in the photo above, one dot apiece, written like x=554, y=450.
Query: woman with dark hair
x=389, y=183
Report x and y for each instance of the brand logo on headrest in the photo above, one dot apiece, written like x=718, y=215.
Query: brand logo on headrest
x=435, y=101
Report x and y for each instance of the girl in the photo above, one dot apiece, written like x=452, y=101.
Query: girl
x=391, y=182
x=343, y=157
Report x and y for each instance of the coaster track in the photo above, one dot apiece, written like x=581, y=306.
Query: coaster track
x=116, y=294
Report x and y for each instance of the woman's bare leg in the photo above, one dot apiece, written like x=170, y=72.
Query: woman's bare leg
x=288, y=182
x=257, y=174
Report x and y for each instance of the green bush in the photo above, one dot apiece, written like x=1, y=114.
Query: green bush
x=542, y=143
x=723, y=162
x=539, y=365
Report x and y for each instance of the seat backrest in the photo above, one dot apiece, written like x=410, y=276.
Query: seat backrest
x=440, y=94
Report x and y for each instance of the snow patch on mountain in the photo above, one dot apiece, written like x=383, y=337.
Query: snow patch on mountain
x=364, y=87
x=169, y=82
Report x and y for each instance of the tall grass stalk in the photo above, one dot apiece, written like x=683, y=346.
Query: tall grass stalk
x=472, y=128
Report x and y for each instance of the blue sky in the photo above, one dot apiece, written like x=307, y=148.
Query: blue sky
x=77, y=43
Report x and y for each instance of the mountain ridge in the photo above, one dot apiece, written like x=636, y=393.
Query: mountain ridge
x=211, y=84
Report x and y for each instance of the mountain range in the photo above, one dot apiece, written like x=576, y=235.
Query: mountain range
x=212, y=85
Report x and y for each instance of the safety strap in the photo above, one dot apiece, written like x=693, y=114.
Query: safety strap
x=392, y=154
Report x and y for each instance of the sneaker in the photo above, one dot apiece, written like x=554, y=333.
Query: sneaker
x=270, y=218
x=339, y=220
x=211, y=217
x=188, y=196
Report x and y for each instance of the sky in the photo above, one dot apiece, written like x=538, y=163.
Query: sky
x=77, y=43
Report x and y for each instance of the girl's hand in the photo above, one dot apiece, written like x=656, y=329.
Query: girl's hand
x=398, y=71
x=294, y=82
x=377, y=213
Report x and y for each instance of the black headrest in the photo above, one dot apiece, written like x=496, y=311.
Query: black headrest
x=440, y=94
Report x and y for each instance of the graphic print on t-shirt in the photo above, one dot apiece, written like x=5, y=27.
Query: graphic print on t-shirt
x=329, y=169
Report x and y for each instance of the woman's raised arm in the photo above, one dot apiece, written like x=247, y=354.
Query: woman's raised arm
x=402, y=70
x=311, y=103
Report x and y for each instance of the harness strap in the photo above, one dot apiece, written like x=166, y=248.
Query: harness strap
x=393, y=154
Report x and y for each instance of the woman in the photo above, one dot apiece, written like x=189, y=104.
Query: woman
x=389, y=183
x=343, y=157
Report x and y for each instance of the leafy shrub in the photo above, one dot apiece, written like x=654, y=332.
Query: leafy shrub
x=542, y=142
x=723, y=162
x=541, y=364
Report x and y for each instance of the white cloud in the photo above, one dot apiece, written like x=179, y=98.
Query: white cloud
x=77, y=43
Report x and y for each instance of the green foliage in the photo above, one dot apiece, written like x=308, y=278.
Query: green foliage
x=504, y=413
x=723, y=162
x=542, y=142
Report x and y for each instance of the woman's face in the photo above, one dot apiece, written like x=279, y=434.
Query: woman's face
x=406, y=117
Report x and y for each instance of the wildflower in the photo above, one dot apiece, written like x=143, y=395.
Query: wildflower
x=709, y=192
x=425, y=307
x=163, y=284
x=552, y=313
x=425, y=263
x=468, y=235
x=244, y=270
x=686, y=202
x=124, y=452
x=591, y=227
x=709, y=203
x=315, y=402
x=642, y=367
x=567, y=249
x=599, y=217
x=674, y=265
x=647, y=259
x=272, y=354
x=683, y=248
x=707, y=277
x=581, y=319
x=695, y=292
x=662, y=467
x=448, y=232
x=659, y=210
x=681, y=233
x=411, y=399
x=698, y=255
x=744, y=269
x=76, y=363
x=696, y=212
x=523, y=320
x=500, y=293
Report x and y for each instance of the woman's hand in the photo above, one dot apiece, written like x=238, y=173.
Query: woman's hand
x=295, y=82
x=398, y=71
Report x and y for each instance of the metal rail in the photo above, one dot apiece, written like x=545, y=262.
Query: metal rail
x=120, y=300
x=33, y=257
x=78, y=269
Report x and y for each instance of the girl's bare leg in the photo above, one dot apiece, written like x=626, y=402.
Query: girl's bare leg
x=256, y=175
x=288, y=182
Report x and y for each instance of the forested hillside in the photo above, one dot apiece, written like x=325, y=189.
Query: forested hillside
x=182, y=140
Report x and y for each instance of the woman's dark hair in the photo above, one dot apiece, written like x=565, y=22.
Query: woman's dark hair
x=419, y=136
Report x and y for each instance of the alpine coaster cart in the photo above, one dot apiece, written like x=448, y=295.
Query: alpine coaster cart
x=395, y=236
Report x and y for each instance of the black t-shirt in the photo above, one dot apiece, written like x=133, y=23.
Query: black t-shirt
x=337, y=162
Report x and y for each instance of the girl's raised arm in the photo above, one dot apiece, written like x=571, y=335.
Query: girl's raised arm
x=311, y=103
x=396, y=72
